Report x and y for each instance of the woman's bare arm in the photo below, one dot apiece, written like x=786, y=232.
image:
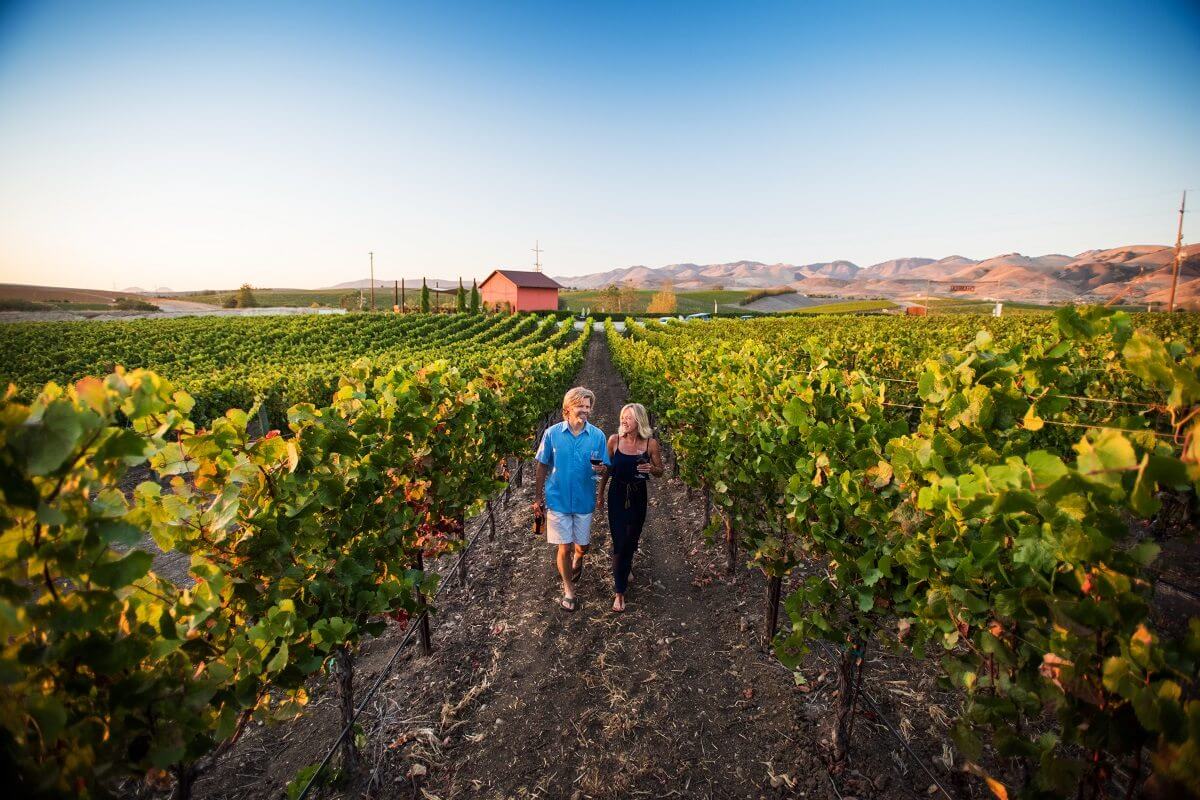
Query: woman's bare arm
x=656, y=462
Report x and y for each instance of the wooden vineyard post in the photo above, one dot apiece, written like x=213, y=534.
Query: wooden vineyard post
x=423, y=611
x=520, y=477
x=707, y=508
x=462, y=562
x=774, y=586
x=730, y=545
x=491, y=521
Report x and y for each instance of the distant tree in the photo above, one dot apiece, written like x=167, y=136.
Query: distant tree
x=460, y=299
x=663, y=301
x=245, y=297
x=627, y=299
x=474, y=297
x=230, y=302
x=609, y=301
x=424, y=297
x=348, y=301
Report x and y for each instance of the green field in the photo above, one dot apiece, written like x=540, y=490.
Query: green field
x=687, y=302
x=845, y=307
x=953, y=305
x=332, y=298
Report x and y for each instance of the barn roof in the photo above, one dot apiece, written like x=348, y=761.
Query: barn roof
x=526, y=280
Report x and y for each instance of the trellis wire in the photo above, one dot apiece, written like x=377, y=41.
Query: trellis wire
x=387, y=668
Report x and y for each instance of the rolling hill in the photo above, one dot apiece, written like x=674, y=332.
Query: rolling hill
x=1134, y=273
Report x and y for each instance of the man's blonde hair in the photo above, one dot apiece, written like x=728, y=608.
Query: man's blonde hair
x=575, y=397
x=641, y=418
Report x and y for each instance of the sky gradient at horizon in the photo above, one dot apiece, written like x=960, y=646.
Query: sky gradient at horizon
x=204, y=145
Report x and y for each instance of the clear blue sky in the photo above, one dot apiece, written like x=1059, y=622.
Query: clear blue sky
x=204, y=144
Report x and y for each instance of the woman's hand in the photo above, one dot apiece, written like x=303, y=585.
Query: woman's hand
x=645, y=468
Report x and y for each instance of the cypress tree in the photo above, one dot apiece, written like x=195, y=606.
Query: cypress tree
x=424, y=297
x=474, y=298
x=460, y=304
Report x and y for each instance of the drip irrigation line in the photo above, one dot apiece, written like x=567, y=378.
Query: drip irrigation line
x=1160, y=434
x=387, y=668
x=891, y=728
x=1170, y=437
x=896, y=734
x=1110, y=401
x=833, y=783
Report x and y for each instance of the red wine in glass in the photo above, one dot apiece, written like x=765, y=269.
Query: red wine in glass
x=644, y=458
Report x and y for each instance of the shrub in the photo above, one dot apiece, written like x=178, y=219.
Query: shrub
x=134, y=304
x=761, y=293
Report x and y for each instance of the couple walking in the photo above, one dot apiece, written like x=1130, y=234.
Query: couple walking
x=576, y=464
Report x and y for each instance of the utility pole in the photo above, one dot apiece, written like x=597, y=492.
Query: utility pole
x=396, y=295
x=403, y=296
x=537, y=256
x=1178, y=252
x=372, y=254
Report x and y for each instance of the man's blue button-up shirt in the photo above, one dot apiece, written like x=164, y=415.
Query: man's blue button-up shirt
x=570, y=487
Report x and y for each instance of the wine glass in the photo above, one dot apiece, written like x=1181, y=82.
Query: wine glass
x=644, y=458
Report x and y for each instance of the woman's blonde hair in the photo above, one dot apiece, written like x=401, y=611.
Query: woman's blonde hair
x=641, y=418
x=575, y=397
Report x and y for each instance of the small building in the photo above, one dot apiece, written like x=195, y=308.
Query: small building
x=516, y=290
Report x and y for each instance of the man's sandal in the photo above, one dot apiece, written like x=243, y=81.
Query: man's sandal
x=568, y=603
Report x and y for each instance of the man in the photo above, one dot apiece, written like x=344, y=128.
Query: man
x=570, y=455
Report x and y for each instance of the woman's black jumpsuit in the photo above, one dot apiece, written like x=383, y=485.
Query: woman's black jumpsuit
x=626, y=514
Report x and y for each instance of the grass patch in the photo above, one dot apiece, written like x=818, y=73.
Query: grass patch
x=686, y=302
x=761, y=293
x=846, y=307
x=303, y=298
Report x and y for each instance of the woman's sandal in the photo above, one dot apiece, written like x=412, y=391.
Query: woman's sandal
x=616, y=610
x=568, y=603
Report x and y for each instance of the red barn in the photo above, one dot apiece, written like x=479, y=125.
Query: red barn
x=519, y=291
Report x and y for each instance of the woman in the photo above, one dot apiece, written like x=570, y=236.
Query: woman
x=634, y=456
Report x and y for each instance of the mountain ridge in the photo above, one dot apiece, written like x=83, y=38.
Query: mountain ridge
x=1137, y=273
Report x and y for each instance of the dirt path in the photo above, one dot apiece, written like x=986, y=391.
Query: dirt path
x=599, y=704
x=673, y=698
